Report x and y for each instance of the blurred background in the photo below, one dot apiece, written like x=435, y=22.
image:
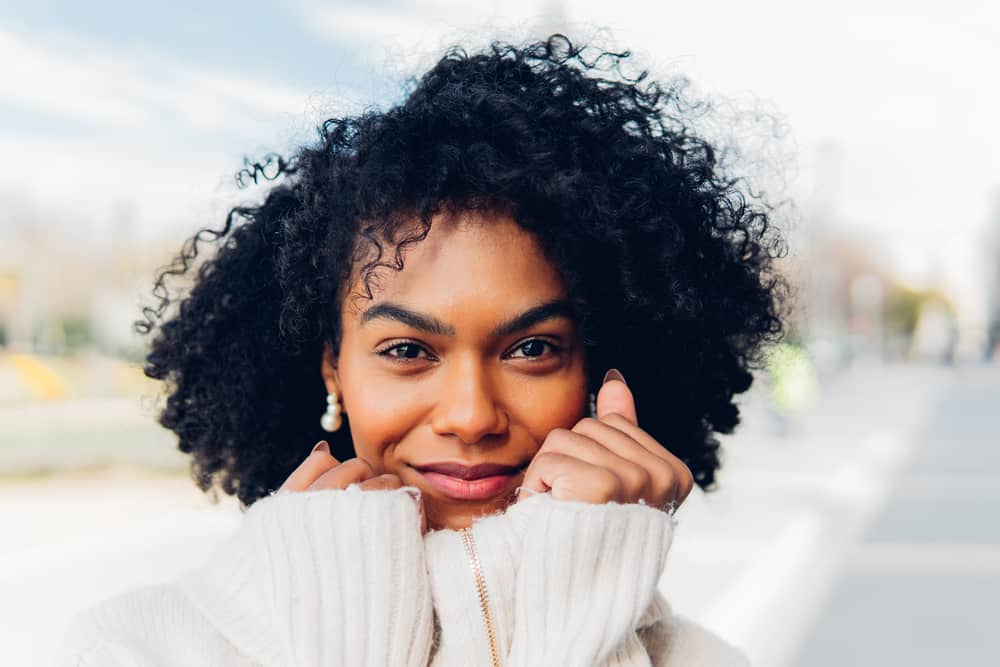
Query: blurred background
x=856, y=520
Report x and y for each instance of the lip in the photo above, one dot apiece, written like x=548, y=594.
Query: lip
x=461, y=482
x=461, y=471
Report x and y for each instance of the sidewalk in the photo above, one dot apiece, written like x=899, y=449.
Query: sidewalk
x=755, y=560
x=70, y=541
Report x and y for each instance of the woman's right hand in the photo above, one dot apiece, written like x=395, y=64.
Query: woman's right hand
x=321, y=470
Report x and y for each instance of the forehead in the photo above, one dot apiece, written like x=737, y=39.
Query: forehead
x=467, y=260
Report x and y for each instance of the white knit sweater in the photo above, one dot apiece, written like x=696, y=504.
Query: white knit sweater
x=345, y=578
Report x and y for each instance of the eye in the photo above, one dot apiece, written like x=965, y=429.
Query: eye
x=403, y=351
x=533, y=349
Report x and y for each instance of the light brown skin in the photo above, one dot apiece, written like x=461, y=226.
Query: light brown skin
x=470, y=394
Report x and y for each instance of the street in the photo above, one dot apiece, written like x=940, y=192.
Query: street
x=920, y=584
x=866, y=536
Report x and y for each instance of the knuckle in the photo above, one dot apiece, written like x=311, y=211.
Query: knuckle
x=611, y=484
x=548, y=456
x=324, y=482
x=392, y=481
x=684, y=493
x=556, y=439
x=687, y=486
x=663, y=483
x=642, y=479
x=386, y=481
x=615, y=419
x=360, y=466
x=664, y=467
x=687, y=476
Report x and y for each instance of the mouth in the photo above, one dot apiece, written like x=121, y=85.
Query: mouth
x=461, y=482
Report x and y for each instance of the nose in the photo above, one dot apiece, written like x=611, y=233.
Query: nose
x=467, y=407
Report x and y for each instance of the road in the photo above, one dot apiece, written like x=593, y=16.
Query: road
x=920, y=584
x=868, y=535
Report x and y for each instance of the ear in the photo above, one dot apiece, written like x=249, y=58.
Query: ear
x=328, y=369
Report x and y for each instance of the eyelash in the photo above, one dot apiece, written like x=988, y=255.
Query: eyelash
x=385, y=350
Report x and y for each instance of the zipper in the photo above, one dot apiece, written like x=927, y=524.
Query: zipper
x=484, y=600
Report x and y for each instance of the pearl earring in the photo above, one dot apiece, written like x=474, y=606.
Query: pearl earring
x=330, y=421
x=592, y=405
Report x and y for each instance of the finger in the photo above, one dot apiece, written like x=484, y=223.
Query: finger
x=681, y=472
x=569, y=478
x=615, y=397
x=684, y=485
x=381, y=483
x=648, y=442
x=635, y=478
x=660, y=467
x=654, y=447
x=620, y=441
x=670, y=477
x=351, y=471
x=318, y=462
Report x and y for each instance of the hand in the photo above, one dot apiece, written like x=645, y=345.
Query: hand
x=320, y=470
x=608, y=458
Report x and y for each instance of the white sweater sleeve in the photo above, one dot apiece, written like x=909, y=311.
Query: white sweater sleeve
x=588, y=574
x=310, y=578
x=323, y=577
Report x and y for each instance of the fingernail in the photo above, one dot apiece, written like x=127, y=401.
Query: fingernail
x=322, y=446
x=613, y=374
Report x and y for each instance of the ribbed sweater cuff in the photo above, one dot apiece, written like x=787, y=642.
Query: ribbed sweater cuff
x=587, y=578
x=352, y=558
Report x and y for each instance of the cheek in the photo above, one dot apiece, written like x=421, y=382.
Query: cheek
x=380, y=414
x=546, y=406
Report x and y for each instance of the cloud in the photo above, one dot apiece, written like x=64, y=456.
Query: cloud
x=406, y=35
x=80, y=83
x=159, y=132
x=64, y=76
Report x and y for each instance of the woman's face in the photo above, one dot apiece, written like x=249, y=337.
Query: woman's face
x=466, y=356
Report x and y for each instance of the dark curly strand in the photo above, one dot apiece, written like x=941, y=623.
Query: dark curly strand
x=669, y=264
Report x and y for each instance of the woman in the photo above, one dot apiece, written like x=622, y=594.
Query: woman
x=436, y=293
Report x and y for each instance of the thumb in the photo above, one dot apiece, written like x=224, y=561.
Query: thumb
x=615, y=397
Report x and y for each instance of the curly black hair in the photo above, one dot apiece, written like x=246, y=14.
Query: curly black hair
x=669, y=262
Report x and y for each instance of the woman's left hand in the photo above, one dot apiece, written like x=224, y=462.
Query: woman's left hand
x=608, y=458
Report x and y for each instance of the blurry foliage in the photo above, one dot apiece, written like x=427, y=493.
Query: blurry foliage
x=793, y=382
x=8, y=286
x=77, y=332
x=903, y=307
x=63, y=334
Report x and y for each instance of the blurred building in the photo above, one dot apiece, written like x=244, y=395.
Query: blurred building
x=852, y=304
x=67, y=288
x=993, y=278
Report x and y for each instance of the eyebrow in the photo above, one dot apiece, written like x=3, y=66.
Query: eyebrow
x=431, y=324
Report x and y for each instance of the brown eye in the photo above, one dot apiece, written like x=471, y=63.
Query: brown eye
x=532, y=349
x=407, y=351
x=404, y=351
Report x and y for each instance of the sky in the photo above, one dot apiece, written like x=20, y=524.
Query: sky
x=887, y=110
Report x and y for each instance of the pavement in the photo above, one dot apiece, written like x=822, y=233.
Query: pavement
x=867, y=535
x=865, y=532
x=919, y=584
